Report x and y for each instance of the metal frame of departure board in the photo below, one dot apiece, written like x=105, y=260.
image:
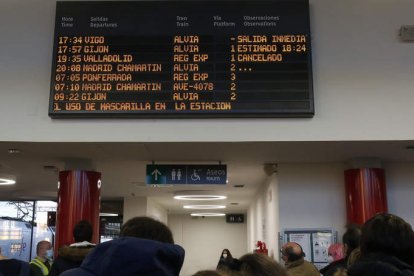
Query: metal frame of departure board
x=182, y=59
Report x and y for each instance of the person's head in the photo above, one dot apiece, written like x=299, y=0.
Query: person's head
x=147, y=228
x=291, y=252
x=42, y=249
x=82, y=231
x=335, y=252
x=226, y=254
x=351, y=238
x=207, y=273
x=390, y=235
x=255, y=264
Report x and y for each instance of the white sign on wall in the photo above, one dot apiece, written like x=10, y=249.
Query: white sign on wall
x=314, y=243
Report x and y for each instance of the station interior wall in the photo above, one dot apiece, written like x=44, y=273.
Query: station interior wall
x=362, y=76
x=205, y=238
x=299, y=196
x=363, y=91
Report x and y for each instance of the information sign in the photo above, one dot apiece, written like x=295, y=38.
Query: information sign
x=174, y=59
x=234, y=218
x=186, y=174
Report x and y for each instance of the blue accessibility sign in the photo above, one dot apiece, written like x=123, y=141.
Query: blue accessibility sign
x=187, y=174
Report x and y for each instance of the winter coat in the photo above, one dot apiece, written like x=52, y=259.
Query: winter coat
x=70, y=257
x=15, y=267
x=380, y=265
x=301, y=267
x=131, y=256
x=330, y=269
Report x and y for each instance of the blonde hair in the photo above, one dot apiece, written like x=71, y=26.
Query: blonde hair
x=354, y=256
x=340, y=272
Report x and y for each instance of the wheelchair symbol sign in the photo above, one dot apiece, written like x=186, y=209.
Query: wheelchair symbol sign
x=195, y=176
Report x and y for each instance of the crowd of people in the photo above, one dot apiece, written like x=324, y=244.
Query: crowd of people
x=383, y=246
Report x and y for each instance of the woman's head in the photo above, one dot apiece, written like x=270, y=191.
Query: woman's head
x=335, y=252
x=226, y=254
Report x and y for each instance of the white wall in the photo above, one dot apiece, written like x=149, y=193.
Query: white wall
x=400, y=183
x=312, y=196
x=362, y=81
x=204, y=238
x=134, y=207
x=302, y=196
x=142, y=206
x=263, y=217
x=156, y=211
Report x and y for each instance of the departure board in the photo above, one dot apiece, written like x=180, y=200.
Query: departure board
x=182, y=59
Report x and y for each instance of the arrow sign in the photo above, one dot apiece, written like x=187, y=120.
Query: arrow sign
x=156, y=173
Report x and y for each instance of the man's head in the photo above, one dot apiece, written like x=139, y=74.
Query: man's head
x=42, y=248
x=82, y=231
x=147, y=228
x=388, y=234
x=291, y=252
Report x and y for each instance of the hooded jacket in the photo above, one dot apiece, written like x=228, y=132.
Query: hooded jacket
x=131, y=256
x=70, y=257
x=380, y=264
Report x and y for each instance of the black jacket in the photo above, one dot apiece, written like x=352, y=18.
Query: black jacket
x=330, y=269
x=380, y=265
x=15, y=267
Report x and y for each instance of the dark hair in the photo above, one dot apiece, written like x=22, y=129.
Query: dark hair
x=207, y=273
x=390, y=235
x=82, y=231
x=40, y=244
x=228, y=253
x=351, y=237
x=227, y=264
x=147, y=228
x=255, y=264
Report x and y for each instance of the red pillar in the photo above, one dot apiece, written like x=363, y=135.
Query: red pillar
x=366, y=194
x=78, y=199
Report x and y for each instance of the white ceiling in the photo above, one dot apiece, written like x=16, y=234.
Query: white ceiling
x=123, y=165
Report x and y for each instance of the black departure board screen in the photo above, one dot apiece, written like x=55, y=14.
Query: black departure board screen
x=189, y=59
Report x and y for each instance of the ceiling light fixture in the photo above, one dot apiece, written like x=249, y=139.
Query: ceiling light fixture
x=6, y=181
x=199, y=197
x=204, y=207
x=108, y=215
x=13, y=151
x=207, y=214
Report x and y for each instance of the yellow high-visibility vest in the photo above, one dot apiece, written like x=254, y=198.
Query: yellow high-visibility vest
x=41, y=265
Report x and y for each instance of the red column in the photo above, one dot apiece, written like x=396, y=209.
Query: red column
x=78, y=199
x=366, y=194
